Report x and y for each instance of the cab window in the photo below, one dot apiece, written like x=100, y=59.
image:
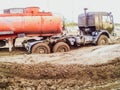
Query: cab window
x=106, y=19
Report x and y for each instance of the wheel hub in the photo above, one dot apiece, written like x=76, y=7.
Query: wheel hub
x=41, y=51
x=61, y=49
x=103, y=42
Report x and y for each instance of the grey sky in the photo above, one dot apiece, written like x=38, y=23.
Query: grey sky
x=67, y=8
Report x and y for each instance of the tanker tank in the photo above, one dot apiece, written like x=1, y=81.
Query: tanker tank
x=28, y=21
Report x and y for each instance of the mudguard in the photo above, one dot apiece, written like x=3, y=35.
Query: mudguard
x=30, y=45
x=96, y=35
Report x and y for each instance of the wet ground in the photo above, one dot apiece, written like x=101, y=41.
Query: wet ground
x=84, y=68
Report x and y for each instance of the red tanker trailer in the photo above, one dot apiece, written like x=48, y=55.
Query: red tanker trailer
x=28, y=21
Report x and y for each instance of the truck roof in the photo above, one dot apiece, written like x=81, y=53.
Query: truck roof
x=96, y=13
x=102, y=13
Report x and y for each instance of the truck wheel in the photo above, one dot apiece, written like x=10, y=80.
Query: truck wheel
x=61, y=47
x=103, y=40
x=40, y=48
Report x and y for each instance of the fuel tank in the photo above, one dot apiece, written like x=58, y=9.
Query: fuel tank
x=29, y=21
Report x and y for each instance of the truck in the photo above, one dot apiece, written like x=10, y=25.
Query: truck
x=47, y=28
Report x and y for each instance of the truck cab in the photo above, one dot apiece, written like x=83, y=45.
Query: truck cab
x=97, y=21
x=97, y=25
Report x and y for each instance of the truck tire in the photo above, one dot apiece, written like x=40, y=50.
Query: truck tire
x=61, y=47
x=2, y=43
x=103, y=40
x=40, y=48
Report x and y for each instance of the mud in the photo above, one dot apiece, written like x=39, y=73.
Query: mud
x=46, y=76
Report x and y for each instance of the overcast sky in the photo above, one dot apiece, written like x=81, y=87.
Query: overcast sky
x=67, y=8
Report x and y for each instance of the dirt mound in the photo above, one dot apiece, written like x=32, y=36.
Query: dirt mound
x=55, y=76
x=52, y=71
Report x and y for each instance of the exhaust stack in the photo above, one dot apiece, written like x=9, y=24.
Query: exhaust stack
x=85, y=12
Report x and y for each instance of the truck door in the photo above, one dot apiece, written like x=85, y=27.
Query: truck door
x=107, y=23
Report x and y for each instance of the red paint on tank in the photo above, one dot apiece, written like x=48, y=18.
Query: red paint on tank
x=29, y=21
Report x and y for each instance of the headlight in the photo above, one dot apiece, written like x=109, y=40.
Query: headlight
x=94, y=33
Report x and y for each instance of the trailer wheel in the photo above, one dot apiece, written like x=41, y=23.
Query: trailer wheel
x=61, y=47
x=103, y=40
x=40, y=48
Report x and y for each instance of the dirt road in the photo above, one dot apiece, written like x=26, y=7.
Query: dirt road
x=86, y=68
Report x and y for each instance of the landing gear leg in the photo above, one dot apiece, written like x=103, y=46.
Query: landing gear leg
x=14, y=40
x=10, y=44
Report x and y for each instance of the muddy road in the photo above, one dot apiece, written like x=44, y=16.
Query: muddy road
x=84, y=68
